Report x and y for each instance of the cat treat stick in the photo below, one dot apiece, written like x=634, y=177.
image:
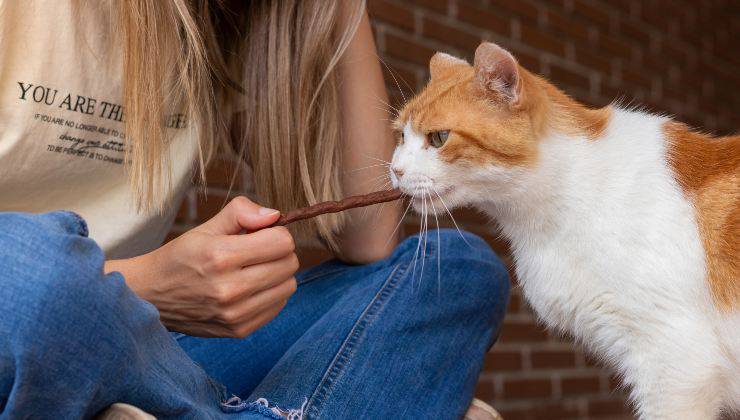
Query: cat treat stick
x=337, y=206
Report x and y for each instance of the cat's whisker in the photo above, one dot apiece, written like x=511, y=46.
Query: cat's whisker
x=416, y=252
x=394, y=78
x=380, y=209
x=375, y=179
x=451, y=217
x=424, y=231
x=439, y=250
x=426, y=224
x=393, y=113
x=377, y=159
x=385, y=103
x=390, y=109
x=398, y=224
x=367, y=167
x=379, y=185
x=411, y=90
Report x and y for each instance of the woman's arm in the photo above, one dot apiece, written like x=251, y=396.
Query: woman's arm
x=214, y=281
x=368, y=141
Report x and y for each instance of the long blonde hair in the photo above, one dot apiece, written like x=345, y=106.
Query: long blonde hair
x=257, y=78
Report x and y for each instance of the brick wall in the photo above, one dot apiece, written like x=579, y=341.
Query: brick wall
x=673, y=56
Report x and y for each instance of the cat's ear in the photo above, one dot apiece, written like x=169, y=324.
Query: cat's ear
x=443, y=62
x=497, y=72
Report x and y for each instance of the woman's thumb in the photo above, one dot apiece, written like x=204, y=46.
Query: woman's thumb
x=239, y=215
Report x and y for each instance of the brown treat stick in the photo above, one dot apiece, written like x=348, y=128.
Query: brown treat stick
x=337, y=206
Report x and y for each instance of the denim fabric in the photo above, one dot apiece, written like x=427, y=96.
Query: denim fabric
x=393, y=339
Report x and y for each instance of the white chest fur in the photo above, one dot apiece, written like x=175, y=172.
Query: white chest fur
x=602, y=225
x=607, y=248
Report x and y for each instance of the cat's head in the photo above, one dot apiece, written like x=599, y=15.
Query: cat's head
x=472, y=131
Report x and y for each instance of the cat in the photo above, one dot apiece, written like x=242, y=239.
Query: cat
x=624, y=226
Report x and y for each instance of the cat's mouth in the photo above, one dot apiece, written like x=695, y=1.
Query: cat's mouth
x=429, y=200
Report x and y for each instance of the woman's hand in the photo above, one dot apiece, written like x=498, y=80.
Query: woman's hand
x=214, y=281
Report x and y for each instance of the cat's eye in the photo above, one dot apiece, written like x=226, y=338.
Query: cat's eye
x=438, y=138
x=401, y=138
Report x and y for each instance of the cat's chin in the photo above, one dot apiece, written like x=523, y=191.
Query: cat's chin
x=433, y=203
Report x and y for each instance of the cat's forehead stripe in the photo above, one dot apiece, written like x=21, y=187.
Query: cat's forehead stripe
x=419, y=109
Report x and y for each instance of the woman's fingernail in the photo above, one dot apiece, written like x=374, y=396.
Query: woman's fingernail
x=265, y=211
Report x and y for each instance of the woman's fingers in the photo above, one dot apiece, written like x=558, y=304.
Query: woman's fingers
x=260, y=246
x=240, y=214
x=225, y=253
x=244, y=282
x=243, y=310
x=252, y=324
x=235, y=330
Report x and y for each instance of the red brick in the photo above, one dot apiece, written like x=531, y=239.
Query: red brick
x=436, y=5
x=406, y=49
x=484, y=390
x=560, y=24
x=521, y=9
x=635, y=75
x=546, y=359
x=435, y=29
x=483, y=18
x=607, y=407
x=580, y=385
x=527, y=388
x=541, y=411
x=522, y=331
x=536, y=38
x=223, y=173
x=586, y=57
x=654, y=14
x=567, y=79
x=675, y=53
x=504, y=360
x=614, y=46
x=635, y=32
x=516, y=304
x=592, y=13
x=391, y=12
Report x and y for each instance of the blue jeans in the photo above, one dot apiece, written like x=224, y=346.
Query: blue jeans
x=383, y=340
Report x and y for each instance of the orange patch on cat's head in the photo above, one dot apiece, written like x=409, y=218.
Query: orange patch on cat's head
x=495, y=110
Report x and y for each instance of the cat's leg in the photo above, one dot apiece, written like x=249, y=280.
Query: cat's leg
x=677, y=378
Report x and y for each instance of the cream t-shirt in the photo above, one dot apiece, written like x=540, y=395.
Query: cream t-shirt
x=62, y=138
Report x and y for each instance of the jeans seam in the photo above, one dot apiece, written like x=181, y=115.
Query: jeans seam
x=322, y=274
x=342, y=358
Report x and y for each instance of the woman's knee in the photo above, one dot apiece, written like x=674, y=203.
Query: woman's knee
x=461, y=266
x=48, y=266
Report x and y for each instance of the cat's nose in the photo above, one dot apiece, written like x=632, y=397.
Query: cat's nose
x=397, y=171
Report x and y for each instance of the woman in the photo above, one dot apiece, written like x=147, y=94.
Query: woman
x=104, y=109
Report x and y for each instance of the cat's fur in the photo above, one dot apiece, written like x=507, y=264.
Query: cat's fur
x=624, y=226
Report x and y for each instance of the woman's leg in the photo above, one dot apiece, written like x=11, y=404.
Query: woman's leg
x=73, y=340
x=396, y=339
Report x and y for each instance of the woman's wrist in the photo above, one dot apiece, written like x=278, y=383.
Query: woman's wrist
x=136, y=271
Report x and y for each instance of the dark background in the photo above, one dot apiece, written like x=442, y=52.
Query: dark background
x=678, y=57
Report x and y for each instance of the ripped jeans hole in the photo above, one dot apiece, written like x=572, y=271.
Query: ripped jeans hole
x=262, y=406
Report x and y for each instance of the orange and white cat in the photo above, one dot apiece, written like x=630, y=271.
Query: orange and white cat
x=624, y=226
